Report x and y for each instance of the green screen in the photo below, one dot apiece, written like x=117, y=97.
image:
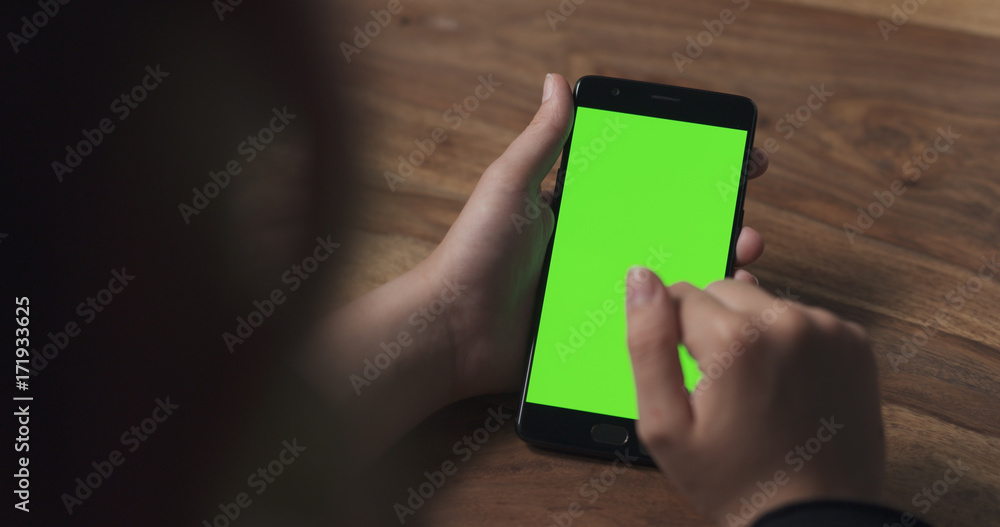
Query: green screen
x=638, y=190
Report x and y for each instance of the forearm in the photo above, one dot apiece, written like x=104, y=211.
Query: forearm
x=386, y=361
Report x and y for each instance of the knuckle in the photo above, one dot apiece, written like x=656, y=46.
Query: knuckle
x=546, y=126
x=654, y=433
x=793, y=330
x=859, y=333
x=712, y=287
x=729, y=328
x=825, y=321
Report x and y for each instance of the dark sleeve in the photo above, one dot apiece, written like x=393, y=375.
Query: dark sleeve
x=838, y=514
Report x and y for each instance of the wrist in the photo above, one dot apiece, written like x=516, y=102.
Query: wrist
x=383, y=362
x=425, y=343
x=443, y=320
x=464, y=335
x=392, y=343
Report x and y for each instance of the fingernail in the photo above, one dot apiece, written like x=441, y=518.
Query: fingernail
x=639, y=287
x=547, y=87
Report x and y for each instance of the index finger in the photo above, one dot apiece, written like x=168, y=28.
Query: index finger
x=664, y=411
x=706, y=325
x=743, y=297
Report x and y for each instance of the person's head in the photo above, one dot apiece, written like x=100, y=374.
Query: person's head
x=175, y=216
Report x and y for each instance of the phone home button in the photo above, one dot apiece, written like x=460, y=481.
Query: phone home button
x=609, y=434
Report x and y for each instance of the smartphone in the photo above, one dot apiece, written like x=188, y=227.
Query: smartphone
x=651, y=175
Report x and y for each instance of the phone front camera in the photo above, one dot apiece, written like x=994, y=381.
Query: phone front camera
x=614, y=91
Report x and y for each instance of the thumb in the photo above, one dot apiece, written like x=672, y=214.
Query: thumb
x=664, y=410
x=530, y=157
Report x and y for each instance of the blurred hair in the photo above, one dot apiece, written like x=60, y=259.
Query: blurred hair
x=119, y=211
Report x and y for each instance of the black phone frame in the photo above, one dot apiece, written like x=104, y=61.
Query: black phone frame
x=570, y=430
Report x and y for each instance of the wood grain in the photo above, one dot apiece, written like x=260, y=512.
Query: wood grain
x=980, y=17
x=889, y=100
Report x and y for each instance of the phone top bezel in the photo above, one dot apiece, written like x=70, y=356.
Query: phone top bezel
x=666, y=102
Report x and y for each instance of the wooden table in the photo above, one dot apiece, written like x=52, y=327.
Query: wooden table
x=894, y=87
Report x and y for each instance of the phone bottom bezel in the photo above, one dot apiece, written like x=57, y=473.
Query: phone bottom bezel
x=568, y=430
